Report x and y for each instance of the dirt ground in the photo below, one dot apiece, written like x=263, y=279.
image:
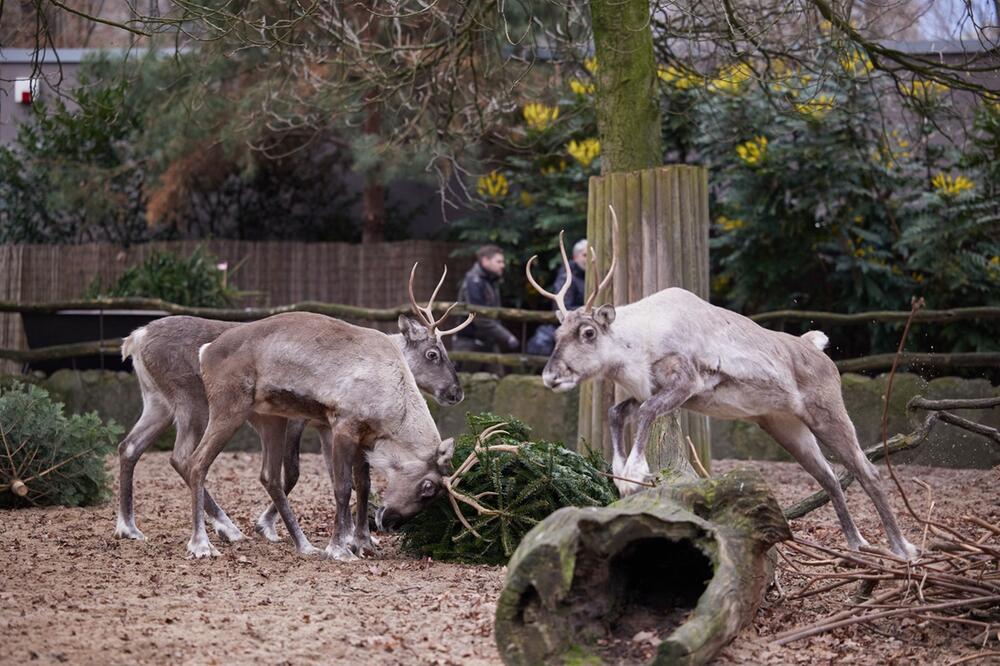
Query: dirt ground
x=70, y=592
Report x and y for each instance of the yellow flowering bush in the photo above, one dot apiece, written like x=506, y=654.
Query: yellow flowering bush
x=728, y=224
x=585, y=151
x=493, y=185
x=581, y=88
x=678, y=78
x=856, y=63
x=555, y=167
x=731, y=79
x=948, y=186
x=924, y=91
x=540, y=116
x=816, y=108
x=752, y=152
x=590, y=64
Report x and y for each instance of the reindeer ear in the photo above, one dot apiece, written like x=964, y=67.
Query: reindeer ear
x=411, y=329
x=605, y=315
x=445, y=451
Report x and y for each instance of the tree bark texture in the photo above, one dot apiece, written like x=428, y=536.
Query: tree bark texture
x=689, y=562
x=627, y=97
x=662, y=242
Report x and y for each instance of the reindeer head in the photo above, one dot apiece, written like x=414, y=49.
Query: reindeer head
x=583, y=344
x=412, y=483
x=424, y=351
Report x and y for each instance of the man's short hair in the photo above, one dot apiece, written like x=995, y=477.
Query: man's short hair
x=580, y=246
x=487, y=251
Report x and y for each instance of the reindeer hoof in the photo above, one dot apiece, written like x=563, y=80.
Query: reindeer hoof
x=907, y=551
x=267, y=531
x=309, y=550
x=635, y=471
x=340, y=553
x=363, y=547
x=201, y=549
x=228, y=533
x=124, y=530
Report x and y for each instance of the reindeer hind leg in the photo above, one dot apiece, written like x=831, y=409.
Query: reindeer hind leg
x=796, y=438
x=155, y=418
x=266, y=522
x=838, y=433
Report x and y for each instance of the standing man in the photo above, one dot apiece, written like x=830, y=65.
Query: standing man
x=544, y=339
x=481, y=286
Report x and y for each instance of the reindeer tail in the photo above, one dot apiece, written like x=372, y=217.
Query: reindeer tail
x=130, y=344
x=816, y=338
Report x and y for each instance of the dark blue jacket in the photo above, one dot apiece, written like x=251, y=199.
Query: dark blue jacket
x=577, y=291
x=480, y=287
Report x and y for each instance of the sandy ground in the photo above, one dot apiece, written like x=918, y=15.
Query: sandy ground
x=71, y=592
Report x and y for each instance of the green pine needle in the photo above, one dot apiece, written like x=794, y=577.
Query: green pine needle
x=524, y=488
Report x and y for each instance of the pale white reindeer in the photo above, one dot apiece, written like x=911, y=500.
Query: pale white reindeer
x=672, y=349
x=165, y=357
x=351, y=380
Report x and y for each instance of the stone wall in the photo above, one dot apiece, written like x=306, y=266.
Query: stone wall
x=553, y=416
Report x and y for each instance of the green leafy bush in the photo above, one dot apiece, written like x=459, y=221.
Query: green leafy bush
x=47, y=457
x=524, y=487
x=194, y=282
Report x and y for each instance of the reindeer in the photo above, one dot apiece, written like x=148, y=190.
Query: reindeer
x=165, y=358
x=672, y=349
x=351, y=380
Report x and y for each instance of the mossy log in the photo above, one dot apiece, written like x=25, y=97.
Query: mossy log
x=685, y=566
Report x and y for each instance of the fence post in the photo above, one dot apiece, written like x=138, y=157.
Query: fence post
x=663, y=242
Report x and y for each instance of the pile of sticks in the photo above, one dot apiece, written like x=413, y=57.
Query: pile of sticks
x=954, y=585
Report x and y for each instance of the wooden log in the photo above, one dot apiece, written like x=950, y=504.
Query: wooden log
x=688, y=562
x=663, y=242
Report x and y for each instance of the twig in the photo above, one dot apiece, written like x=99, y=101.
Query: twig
x=920, y=402
x=827, y=626
x=622, y=478
x=696, y=459
x=973, y=657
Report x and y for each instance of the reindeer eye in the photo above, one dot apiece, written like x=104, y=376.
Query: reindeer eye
x=432, y=355
x=428, y=488
x=588, y=334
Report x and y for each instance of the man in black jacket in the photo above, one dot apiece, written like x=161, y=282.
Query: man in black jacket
x=481, y=286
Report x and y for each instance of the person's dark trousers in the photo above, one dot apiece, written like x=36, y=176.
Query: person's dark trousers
x=460, y=343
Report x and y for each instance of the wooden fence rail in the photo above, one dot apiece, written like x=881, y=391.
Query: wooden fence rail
x=505, y=314
x=112, y=346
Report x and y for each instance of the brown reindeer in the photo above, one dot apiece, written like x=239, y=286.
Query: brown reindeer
x=165, y=357
x=351, y=380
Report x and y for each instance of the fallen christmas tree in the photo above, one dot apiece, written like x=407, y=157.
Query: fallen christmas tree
x=47, y=457
x=503, y=486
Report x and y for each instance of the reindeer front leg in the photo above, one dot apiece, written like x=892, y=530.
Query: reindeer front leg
x=618, y=416
x=363, y=544
x=339, y=450
x=677, y=380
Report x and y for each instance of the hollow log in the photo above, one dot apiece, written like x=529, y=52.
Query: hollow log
x=668, y=575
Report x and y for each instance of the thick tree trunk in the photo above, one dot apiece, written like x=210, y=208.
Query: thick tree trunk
x=663, y=242
x=628, y=110
x=687, y=562
x=373, y=194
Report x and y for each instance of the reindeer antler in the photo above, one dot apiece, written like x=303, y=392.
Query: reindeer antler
x=426, y=313
x=592, y=263
x=451, y=482
x=560, y=296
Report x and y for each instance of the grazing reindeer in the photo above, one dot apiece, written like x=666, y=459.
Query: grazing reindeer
x=165, y=356
x=672, y=349
x=351, y=380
